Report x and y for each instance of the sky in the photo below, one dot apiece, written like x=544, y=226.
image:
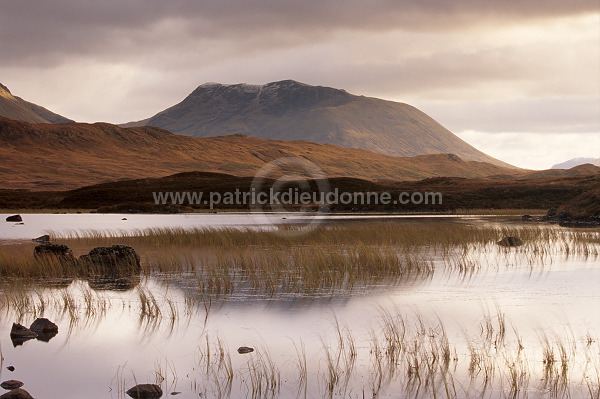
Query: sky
x=518, y=79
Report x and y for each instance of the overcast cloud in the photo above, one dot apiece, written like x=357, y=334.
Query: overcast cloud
x=485, y=69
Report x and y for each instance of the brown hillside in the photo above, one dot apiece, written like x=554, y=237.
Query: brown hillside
x=579, y=192
x=585, y=169
x=16, y=108
x=57, y=157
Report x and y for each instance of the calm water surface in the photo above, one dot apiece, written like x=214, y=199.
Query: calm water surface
x=35, y=225
x=106, y=349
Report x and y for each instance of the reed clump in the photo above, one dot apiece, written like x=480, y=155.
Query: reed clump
x=334, y=257
x=438, y=236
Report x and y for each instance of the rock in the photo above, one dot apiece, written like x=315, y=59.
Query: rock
x=19, y=331
x=11, y=368
x=43, y=325
x=54, y=252
x=145, y=391
x=124, y=219
x=526, y=218
x=11, y=384
x=16, y=394
x=19, y=334
x=115, y=257
x=14, y=218
x=564, y=215
x=43, y=239
x=510, y=242
x=245, y=349
x=44, y=328
x=551, y=212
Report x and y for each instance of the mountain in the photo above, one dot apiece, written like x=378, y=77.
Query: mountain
x=66, y=156
x=576, y=162
x=16, y=108
x=289, y=110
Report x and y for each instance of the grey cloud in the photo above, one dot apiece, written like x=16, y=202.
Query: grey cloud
x=49, y=31
x=166, y=48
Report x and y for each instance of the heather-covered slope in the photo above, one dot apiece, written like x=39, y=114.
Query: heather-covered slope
x=66, y=156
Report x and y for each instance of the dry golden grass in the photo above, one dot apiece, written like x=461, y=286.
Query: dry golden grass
x=352, y=252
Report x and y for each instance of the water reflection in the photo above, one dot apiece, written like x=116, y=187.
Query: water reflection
x=416, y=332
x=110, y=282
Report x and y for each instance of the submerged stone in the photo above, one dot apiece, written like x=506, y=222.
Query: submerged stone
x=11, y=384
x=145, y=391
x=245, y=349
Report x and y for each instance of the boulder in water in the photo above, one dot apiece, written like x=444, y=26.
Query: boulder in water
x=145, y=391
x=14, y=218
x=54, y=252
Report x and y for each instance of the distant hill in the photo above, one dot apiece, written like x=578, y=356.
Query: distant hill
x=580, y=170
x=289, y=110
x=576, y=162
x=16, y=108
x=458, y=193
x=66, y=156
